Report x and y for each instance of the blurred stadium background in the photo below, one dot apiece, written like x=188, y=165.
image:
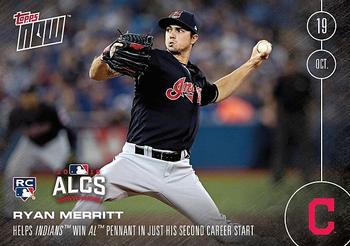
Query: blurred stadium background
x=236, y=136
x=235, y=133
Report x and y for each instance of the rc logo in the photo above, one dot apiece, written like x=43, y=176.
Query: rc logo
x=24, y=187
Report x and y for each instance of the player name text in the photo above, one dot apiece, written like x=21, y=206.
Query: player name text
x=44, y=215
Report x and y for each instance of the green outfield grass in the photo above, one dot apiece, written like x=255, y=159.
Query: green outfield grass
x=235, y=193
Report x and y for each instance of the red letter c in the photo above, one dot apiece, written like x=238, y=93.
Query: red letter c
x=329, y=203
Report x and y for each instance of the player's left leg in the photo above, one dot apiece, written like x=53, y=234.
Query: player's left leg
x=183, y=191
x=186, y=193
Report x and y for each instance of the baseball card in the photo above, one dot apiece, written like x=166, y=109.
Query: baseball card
x=159, y=122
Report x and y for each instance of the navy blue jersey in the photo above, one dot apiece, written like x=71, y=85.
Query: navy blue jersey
x=165, y=110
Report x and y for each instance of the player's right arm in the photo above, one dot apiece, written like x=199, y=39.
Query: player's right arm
x=100, y=70
x=230, y=83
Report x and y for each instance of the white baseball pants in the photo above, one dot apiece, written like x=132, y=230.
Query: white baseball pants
x=174, y=183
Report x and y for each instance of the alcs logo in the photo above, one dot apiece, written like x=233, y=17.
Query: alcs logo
x=24, y=187
x=84, y=187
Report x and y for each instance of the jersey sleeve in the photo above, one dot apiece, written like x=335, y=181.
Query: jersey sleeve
x=209, y=93
x=153, y=66
x=154, y=58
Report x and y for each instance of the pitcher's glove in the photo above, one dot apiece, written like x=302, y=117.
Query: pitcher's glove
x=129, y=54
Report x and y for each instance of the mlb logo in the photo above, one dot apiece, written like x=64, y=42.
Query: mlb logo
x=78, y=169
x=24, y=187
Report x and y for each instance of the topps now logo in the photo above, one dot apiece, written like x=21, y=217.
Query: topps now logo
x=36, y=33
x=79, y=185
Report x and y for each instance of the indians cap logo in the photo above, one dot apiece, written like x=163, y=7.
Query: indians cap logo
x=78, y=169
x=24, y=187
x=176, y=14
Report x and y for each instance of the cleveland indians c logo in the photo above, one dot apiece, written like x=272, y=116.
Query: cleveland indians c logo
x=182, y=88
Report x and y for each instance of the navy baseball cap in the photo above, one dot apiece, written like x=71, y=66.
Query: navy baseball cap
x=182, y=18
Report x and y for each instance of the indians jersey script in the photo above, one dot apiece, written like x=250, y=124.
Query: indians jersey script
x=165, y=110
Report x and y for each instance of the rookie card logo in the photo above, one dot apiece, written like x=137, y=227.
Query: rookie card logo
x=36, y=33
x=24, y=187
x=79, y=185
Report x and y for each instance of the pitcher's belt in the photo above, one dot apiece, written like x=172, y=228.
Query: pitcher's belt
x=162, y=155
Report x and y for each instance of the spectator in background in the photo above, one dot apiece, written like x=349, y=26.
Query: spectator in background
x=235, y=110
x=293, y=97
x=64, y=68
x=61, y=71
x=43, y=140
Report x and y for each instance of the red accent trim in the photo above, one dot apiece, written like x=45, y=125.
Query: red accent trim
x=77, y=198
x=137, y=46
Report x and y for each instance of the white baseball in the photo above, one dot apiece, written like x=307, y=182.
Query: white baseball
x=114, y=48
x=264, y=47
